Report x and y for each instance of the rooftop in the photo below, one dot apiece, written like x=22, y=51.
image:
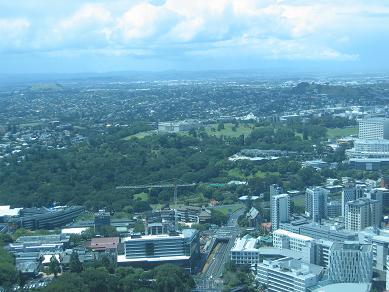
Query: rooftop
x=246, y=243
x=7, y=211
x=292, y=235
x=295, y=268
x=104, y=242
x=186, y=233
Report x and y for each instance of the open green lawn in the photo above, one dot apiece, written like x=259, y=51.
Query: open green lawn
x=299, y=201
x=229, y=208
x=141, y=196
x=140, y=135
x=242, y=129
x=341, y=132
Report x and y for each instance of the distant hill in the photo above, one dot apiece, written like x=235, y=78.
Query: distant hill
x=332, y=90
x=45, y=86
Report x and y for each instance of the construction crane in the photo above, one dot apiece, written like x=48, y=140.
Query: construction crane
x=175, y=185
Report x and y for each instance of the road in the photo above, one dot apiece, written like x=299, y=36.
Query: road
x=211, y=280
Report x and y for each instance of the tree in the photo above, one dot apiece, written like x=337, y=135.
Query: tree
x=170, y=278
x=141, y=206
x=75, y=265
x=99, y=280
x=54, y=266
x=66, y=283
x=218, y=218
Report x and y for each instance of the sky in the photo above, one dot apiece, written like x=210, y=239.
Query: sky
x=46, y=36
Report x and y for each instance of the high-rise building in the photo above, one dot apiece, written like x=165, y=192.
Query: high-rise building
x=362, y=213
x=350, y=262
x=373, y=128
x=275, y=190
x=334, y=209
x=280, y=210
x=348, y=194
x=316, y=203
x=371, y=150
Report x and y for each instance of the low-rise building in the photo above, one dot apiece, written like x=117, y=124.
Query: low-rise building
x=150, y=250
x=288, y=275
x=245, y=251
x=301, y=244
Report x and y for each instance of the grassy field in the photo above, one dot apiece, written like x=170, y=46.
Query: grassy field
x=299, y=201
x=229, y=208
x=333, y=133
x=140, y=135
x=141, y=196
x=242, y=129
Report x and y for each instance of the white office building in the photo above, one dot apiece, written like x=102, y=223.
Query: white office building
x=362, y=213
x=316, y=203
x=373, y=128
x=280, y=210
x=372, y=147
x=245, y=251
x=350, y=262
x=379, y=240
x=304, y=245
x=288, y=275
x=150, y=250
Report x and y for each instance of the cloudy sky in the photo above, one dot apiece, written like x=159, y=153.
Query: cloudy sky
x=124, y=35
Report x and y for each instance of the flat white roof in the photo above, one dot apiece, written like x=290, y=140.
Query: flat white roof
x=123, y=259
x=7, y=211
x=245, y=244
x=292, y=235
x=74, y=230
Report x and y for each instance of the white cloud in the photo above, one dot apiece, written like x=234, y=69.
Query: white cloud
x=273, y=29
x=13, y=32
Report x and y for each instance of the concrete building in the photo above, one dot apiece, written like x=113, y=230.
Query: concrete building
x=322, y=252
x=178, y=126
x=44, y=218
x=350, y=262
x=38, y=243
x=371, y=150
x=288, y=275
x=334, y=209
x=102, y=219
x=275, y=190
x=245, y=251
x=318, y=231
x=280, y=210
x=150, y=250
x=304, y=245
x=373, y=128
x=379, y=240
x=387, y=273
x=348, y=194
x=382, y=196
x=362, y=213
x=316, y=203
